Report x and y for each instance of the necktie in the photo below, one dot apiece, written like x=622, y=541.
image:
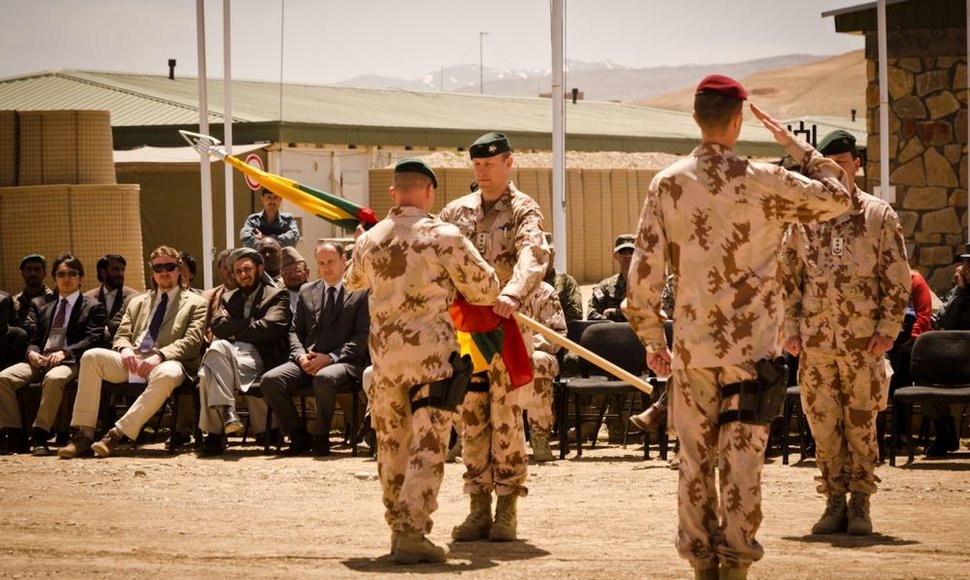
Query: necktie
x=331, y=303
x=61, y=314
x=149, y=341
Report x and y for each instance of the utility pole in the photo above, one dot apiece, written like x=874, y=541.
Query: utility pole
x=481, y=63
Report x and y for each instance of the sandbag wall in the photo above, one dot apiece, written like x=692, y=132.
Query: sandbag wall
x=58, y=193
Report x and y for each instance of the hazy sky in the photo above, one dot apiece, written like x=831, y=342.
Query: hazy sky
x=332, y=40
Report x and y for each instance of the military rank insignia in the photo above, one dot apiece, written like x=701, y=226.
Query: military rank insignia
x=838, y=246
x=480, y=239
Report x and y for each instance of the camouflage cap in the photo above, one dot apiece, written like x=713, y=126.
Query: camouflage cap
x=490, y=145
x=32, y=258
x=412, y=165
x=291, y=256
x=722, y=85
x=838, y=141
x=623, y=242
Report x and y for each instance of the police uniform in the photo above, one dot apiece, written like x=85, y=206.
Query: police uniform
x=848, y=279
x=413, y=267
x=543, y=306
x=509, y=236
x=713, y=219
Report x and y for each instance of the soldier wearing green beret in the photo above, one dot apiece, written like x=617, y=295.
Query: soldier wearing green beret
x=505, y=225
x=848, y=283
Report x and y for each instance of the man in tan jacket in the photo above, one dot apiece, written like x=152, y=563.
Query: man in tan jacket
x=158, y=343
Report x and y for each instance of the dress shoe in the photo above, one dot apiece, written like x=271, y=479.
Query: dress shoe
x=213, y=444
x=301, y=443
x=178, y=439
x=233, y=425
x=321, y=446
x=109, y=443
x=79, y=446
x=650, y=419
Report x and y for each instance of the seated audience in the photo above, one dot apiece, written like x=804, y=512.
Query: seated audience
x=271, y=223
x=112, y=293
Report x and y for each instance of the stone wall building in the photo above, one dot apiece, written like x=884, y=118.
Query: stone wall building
x=927, y=70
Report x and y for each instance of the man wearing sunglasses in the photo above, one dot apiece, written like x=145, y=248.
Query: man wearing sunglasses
x=157, y=343
x=65, y=329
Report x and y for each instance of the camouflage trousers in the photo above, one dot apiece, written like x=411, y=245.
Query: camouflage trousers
x=411, y=451
x=539, y=406
x=716, y=528
x=842, y=394
x=493, y=441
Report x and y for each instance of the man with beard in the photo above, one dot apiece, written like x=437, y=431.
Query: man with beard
x=112, y=292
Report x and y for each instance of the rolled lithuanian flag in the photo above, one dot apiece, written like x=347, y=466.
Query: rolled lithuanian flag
x=336, y=210
x=485, y=335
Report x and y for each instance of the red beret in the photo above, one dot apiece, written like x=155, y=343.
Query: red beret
x=722, y=85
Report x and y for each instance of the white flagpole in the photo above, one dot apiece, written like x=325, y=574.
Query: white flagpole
x=227, y=123
x=204, y=166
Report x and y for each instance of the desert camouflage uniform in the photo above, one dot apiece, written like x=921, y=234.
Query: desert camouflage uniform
x=543, y=306
x=717, y=220
x=847, y=279
x=570, y=296
x=608, y=294
x=509, y=237
x=413, y=267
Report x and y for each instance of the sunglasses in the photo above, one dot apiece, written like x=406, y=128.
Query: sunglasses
x=67, y=274
x=166, y=267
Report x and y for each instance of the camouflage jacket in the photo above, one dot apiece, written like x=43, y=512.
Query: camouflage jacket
x=413, y=267
x=608, y=294
x=509, y=236
x=718, y=220
x=543, y=306
x=570, y=296
x=846, y=278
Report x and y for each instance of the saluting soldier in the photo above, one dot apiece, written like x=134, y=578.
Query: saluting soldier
x=413, y=267
x=848, y=282
x=716, y=221
x=506, y=227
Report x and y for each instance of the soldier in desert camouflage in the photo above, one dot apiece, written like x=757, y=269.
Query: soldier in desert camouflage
x=848, y=283
x=716, y=221
x=505, y=225
x=543, y=306
x=413, y=267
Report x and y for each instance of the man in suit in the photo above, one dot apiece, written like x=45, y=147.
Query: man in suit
x=328, y=349
x=251, y=327
x=65, y=329
x=112, y=292
x=13, y=340
x=157, y=342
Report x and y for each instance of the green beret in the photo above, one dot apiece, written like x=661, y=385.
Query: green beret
x=490, y=145
x=416, y=166
x=838, y=141
x=623, y=242
x=32, y=258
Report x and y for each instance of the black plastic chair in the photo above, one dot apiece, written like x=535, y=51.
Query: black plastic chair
x=617, y=343
x=940, y=368
x=130, y=391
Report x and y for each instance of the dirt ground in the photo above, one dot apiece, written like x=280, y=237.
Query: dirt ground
x=609, y=514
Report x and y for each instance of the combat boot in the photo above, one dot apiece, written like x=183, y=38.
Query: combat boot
x=540, y=447
x=860, y=524
x=415, y=548
x=835, y=518
x=503, y=529
x=478, y=524
x=732, y=573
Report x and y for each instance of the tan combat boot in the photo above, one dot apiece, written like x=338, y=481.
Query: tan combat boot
x=416, y=548
x=478, y=524
x=835, y=518
x=860, y=524
x=503, y=529
x=540, y=447
x=732, y=573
